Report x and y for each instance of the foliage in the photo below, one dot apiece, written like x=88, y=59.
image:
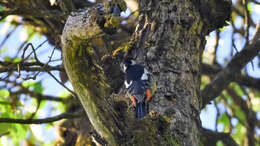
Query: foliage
x=24, y=98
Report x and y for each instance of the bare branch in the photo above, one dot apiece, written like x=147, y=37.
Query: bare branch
x=7, y=66
x=210, y=137
x=249, y=114
x=73, y=93
x=38, y=96
x=243, y=80
x=41, y=121
x=227, y=75
x=7, y=36
x=5, y=133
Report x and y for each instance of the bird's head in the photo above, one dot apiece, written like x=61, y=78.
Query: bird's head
x=127, y=63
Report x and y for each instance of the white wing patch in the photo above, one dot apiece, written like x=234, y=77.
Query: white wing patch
x=124, y=68
x=128, y=85
x=145, y=74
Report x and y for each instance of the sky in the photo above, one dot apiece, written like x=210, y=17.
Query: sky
x=51, y=87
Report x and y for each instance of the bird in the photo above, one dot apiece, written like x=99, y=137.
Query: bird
x=137, y=83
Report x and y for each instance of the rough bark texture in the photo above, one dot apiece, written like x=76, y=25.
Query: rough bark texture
x=169, y=40
x=86, y=76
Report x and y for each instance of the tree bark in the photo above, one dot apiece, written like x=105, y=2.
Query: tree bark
x=169, y=41
x=85, y=74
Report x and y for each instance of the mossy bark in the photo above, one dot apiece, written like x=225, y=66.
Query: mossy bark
x=86, y=75
x=169, y=40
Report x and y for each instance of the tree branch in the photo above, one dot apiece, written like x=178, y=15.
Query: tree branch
x=87, y=76
x=249, y=114
x=216, y=12
x=38, y=95
x=41, y=121
x=241, y=79
x=23, y=90
x=211, y=138
x=27, y=66
x=224, y=77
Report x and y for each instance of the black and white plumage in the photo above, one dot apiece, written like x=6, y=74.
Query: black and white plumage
x=137, y=83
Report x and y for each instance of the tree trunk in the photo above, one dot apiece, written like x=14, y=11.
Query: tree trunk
x=169, y=41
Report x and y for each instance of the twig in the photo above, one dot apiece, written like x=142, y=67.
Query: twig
x=246, y=20
x=243, y=80
x=247, y=23
x=216, y=45
x=41, y=121
x=233, y=44
x=27, y=66
x=73, y=93
x=249, y=114
x=213, y=137
x=5, y=102
x=217, y=115
x=38, y=96
x=227, y=75
x=7, y=36
x=37, y=108
x=3, y=134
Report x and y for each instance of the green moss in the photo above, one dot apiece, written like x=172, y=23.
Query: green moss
x=172, y=140
x=153, y=25
x=145, y=133
x=202, y=139
x=122, y=5
x=193, y=28
x=123, y=49
x=152, y=132
x=153, y=88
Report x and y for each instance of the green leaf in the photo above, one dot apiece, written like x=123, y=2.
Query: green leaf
x=255, y=103
x=222, y=28
x=4, y=93
x=1, y=8
x=43, y=103
x=48, y=126
x=64, y=94
x=34, y=102
x=3, y=50
x=224, y=120
x=21, y=129
x=28, y=84
x=61, y=107
x=17, y=59
x=238, y=90
x=38, y=87
x=8, y=58
x=4, y=127
x=239, y=113
x=249, y=8
x=233, y=16
x=239, y=134
x=219, y=143
x=6, y=111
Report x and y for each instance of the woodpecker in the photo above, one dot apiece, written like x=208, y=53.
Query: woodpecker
x=137, y=83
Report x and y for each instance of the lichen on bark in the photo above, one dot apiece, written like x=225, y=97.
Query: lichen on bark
x=85, y=74
x=169, y=41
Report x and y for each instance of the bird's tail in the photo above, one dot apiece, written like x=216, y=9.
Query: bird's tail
x=140, y=110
